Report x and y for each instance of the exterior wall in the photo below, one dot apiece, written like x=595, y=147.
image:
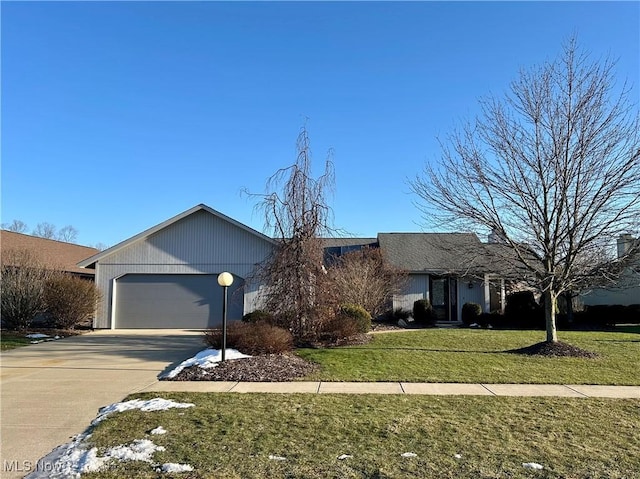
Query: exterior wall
x=198, y=243
x=627, y=293
x=473, y=294
x=417, y=287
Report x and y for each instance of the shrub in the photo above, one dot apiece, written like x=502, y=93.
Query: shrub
x=358, y=314
x=423, y=312
x=70, y=300
x=400, y=313
x=471, y=313
x=522, y=311
x=252, y=338
x=257, y=316
x=608, y=315
x=23, y=288
x=339, y=328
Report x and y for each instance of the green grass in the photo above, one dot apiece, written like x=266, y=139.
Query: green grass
x=479, y=356
x=10, y=340
x=232, y=436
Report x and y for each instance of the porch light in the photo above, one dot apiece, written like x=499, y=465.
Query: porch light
x=225, y=280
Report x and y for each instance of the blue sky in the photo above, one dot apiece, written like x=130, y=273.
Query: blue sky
x=119, y=115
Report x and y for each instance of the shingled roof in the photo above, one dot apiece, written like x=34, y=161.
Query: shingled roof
x=430, y=252
x=54, y=254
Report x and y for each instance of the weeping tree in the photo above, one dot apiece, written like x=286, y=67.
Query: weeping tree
x=298, y=290
x=552, y=168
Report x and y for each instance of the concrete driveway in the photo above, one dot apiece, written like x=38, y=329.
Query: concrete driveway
x=51, y=391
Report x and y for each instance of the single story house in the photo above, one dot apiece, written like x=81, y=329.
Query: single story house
x=52, y=254
x=166, y=276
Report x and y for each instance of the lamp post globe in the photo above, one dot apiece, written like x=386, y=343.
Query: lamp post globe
x=225, y=279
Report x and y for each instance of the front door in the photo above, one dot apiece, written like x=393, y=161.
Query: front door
x=444, y=297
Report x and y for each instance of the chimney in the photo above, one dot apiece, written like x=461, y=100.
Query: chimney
x=496, y=237
x=625, y=242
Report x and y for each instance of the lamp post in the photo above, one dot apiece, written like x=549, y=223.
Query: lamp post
x=225, y=280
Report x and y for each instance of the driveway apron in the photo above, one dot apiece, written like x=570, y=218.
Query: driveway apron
x=51, y=391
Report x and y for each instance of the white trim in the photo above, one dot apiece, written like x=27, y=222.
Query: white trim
x=112, y=319
x=487, y=294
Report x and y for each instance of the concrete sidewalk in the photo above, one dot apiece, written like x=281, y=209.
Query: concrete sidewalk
x=318, y=387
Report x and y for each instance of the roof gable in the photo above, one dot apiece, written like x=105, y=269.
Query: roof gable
x=90, y=262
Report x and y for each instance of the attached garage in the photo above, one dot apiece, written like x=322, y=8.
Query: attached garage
x=183, y=301
x=167, y=276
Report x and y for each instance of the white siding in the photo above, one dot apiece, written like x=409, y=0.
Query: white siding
x=198, y=243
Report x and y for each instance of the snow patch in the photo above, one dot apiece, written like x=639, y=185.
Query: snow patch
x=138, y=450
x=208, y=358
x=156, y=404
x=158, y=430
x=409, y=454
x=532, y=465
x=458, y=456
x=277, y=458
x=171, y=467
x=342, y=457
x=37, y=336
x=73, y=459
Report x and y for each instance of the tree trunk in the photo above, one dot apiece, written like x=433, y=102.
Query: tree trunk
x=550, y=316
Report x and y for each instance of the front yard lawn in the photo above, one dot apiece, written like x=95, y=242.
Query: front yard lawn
x=17, y=339
x=479, y=356
x=234, y=435
x=12, y=340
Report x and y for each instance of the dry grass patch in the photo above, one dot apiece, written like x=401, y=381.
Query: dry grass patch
x=233, y=435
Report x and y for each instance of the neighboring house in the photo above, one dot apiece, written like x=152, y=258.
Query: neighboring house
x=626, y=290
x=53, y=254
x=166, y=276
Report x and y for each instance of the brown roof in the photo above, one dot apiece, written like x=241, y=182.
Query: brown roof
x=54, y=254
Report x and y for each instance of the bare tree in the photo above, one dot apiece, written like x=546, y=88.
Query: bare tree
x=45, y=230
x=295, y=208
x=22, y=294
x=67, y=234
x=367, y=279
x=16, y=226
x=553, y=168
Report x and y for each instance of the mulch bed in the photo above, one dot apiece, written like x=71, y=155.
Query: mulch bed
x=264, y=368
x=557, y=349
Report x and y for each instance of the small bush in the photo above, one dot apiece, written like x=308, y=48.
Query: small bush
x=258, y=316
x=252, y=338
x=70, y=300
x=423, y=312
x=339, y=328
x=358, y=314
x=471, y=313
x=400, y=313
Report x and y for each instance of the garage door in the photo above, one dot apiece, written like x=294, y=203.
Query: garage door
x=182, y=301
